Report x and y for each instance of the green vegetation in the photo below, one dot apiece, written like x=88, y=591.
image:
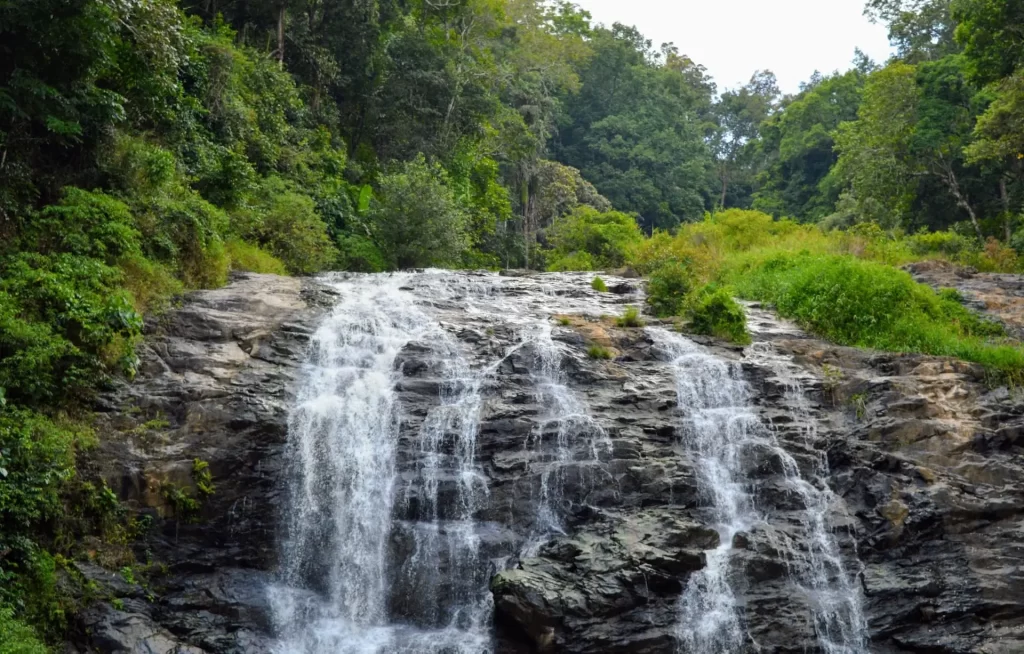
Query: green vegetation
x=599, y=285
x=149, y=148
x=716, y=313
x=599, y=352
x=630, y=318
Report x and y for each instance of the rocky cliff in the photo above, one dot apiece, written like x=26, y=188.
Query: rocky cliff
x=594, y=519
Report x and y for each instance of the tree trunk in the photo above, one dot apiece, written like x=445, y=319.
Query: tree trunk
x=1007, y=218
x=949, y=176
x=280, y=35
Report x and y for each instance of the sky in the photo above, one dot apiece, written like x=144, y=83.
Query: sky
x=733, y=38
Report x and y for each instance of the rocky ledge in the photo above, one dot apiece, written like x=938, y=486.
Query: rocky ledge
x=925, y=463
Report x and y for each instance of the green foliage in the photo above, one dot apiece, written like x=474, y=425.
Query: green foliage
x=593, y=238
x=416, y=220
x=599, y=352
x=202, y=478
x=668, y=288
x=630, y=318
x=868, y=304
x=252, y=258
x=716, y=313
x=16, y=637
x=599, y=285
x=285, y=223
x=360, y=254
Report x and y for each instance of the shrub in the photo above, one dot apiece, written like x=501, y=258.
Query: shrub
x=416, y=220
x=151, y=284
x=716, y=313
x=631, y=318
x=606, y=236
x=63, y=323
x=251, y=258
x=570, y=262
x=287, y=225
x=599, y=352
x=359, y=254
x=185, y=231
x=16, y=637
x=85, y=223
x=599, y=285
x=668, y=287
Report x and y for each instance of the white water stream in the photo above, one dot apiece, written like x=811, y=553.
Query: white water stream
x=346, y=588
x=723, y=433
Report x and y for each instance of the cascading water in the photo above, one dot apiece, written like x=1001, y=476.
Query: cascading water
x=346, y=483
x=344, y=435
x=722, y=431
x=386, y=551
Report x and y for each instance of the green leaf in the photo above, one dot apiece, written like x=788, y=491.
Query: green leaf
x=365, y=195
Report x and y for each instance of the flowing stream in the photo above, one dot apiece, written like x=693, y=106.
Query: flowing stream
x=724, y=434
x=385, y=549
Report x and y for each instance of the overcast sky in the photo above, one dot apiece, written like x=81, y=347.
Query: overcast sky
x=733, y=38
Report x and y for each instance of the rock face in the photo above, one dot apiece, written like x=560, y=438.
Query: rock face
x=998, y=295
x=923, y=458
x=215, y=385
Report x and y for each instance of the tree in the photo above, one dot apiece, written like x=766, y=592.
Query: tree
x=921, y=30
x=799, y=148
x=739, y=116
x=416, y=220
x=636, y=128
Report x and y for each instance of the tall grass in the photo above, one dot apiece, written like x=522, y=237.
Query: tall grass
x=842, y=285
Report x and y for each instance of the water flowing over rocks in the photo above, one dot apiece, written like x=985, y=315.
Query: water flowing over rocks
x=684, y=496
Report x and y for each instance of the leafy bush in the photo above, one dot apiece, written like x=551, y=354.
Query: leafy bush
x=286, y=223
x=85, y=223
x=570, y=262
x=185, y=231
x=359, y=254
x=605, y=236
x=631, y=318
x=16, y=637
x=668, y=288
x=716, y=313
x=250, y=258
x=416, y=220
x=599, y=285
x=63, y=323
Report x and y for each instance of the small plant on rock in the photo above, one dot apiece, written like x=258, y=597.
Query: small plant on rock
x=631, y=318
x=599, y=285
x=599, y=352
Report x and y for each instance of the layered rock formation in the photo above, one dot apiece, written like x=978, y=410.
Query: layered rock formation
x=923, y=458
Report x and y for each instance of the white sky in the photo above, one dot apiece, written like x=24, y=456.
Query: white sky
x=733, y=38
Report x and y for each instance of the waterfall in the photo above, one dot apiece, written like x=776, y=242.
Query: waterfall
x=343, y=589
x=391, y=537
x=722, y=431
x=344, y=433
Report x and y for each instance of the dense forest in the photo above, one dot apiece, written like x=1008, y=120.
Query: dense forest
x=152, y=146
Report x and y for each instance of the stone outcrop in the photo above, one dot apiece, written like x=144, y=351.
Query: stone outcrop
x=215, y=383
x=924, y=459
x=997, y=295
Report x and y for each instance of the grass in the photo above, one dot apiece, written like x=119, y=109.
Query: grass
x=631, y=318
x=251, y=258
x=599, y=352
x=599, y=285
x=844, y=286
x=868, y=304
